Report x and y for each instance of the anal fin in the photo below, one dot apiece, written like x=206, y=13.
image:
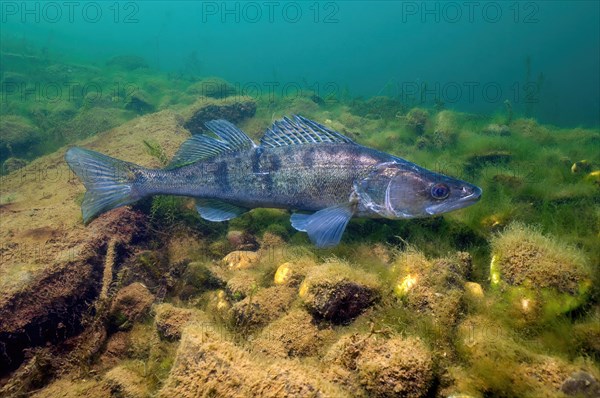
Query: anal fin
x=217, y=210
x=325, y=227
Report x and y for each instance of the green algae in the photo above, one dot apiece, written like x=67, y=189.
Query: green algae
x=478, y=343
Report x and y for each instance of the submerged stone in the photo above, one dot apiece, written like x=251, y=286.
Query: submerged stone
x=337, y=292
x=208, y=362
x=581, y=384
x=233, y=109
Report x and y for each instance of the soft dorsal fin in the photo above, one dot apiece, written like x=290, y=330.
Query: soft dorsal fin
x=202, y=147
x=300, y=131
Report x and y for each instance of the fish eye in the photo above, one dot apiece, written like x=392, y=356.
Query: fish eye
x=440, y=191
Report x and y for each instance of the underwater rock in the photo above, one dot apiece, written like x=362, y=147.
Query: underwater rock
x=434, y=288
x=499, y=364
x=594, y=177
x=522, y=256
x=581, y=384
x=67, y=388
x=197, y=278
x=170, y=320
x=139, y=102
x=416, y=119
x=581, y=166
x=206, y=362
x=380, y=107
x=13, y=164
x=445, y=129
x=493, y=158
x=293, y=335
x=542, y=277
x=13, y=80
x=234, y=109
x=395, y=367
x=241, y=259
x=509, y=181
x=130, y=304
x=127, y=62
x=218, y=305
x=586, y=337
x=496, y=129
x=292, y=273
x=263, y=307
x=213, y=87
x=117, y=348
x=52, y=264
x=241, y=284
x=241, y=240
x=125, y=383
x=392, y=367
x=272, y=240
x=338, y=292
x=16, y=132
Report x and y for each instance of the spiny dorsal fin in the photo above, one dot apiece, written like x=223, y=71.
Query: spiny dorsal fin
x=235, y=137
x=300, y=131
x=203, y=147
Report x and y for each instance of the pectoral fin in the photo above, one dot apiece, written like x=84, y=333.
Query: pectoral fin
x=216, y=210
x=325, y=227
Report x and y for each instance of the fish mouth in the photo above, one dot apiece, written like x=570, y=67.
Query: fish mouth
x=468, y=200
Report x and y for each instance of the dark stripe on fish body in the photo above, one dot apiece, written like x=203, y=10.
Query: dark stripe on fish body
x=308, y=158
x=255, y=159
x=275, y=163
x=222, y=175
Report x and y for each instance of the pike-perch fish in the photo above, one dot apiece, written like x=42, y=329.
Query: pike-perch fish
x=321, y=175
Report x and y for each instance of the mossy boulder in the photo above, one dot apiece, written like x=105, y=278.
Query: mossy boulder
x=292, y=273
x=127, y=62
x=16, y=132
x=337, y=292
x=196, y=279
x=66, y=388
x=394, y=367
x=445, y=130
x=130, y=304
x=433, y=288
x=213, y=87
x=380, y=107
x=499, y=364
x=497, y=158
x=207, y=362
x=13, y=164
x=296, y=334
x=539, y=276
x=139, y=102
x=125, y=383
x=241, y=259
x=263, y=307
x=496, y=129
x=241, y=240
x=581, y=384
x=170, y=320
x=241, y=284
x=232, y=109
x=416, y=119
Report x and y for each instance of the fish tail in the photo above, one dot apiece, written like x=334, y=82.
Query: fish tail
x=110, y=182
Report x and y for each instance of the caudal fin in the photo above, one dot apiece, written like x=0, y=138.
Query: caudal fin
x=109, y=182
